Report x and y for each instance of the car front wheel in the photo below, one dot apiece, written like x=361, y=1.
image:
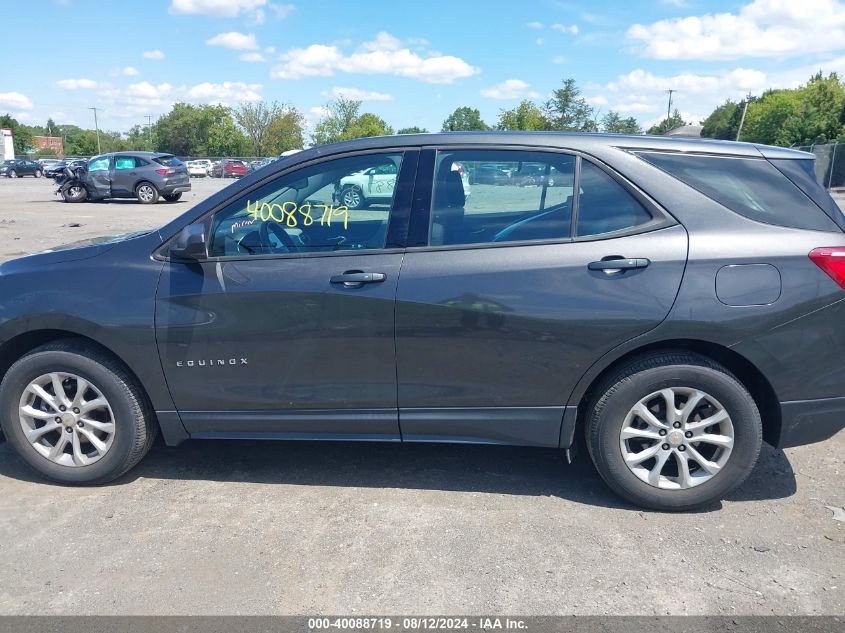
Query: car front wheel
x=146, y=193
x=38, y=173
x=352, y=197
x=673, y=431
x=74, y=414
x=13, y=174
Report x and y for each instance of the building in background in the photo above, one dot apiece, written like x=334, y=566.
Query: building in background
x=53, y=144
x=8, y=145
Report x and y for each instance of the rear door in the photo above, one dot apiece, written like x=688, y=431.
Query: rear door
x=509, y=294
x=124, y=176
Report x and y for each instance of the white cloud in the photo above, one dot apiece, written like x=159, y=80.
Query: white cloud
x=23, y=116
x=146, y=90
x=510, y=89
x=361, y=95
x=225, y=92
x=217, y=8
x=156, y=54
x=596, y=101
x=15, y=101
x=386, y=55
x=559, y=59
x=731, y=84
x=252, y=57
x=235, y=41
x=762, y=28
x=535, y=25
x=129, y=71
x=282, y=10
x=540, y=41
x=75, y=84
x=571, y=30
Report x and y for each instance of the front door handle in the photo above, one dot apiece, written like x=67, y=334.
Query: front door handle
x=357, y=278
x=618, y=264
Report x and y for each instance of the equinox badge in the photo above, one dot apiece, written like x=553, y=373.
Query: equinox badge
x=211, y=362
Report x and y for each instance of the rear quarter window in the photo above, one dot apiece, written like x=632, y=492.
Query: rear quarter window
x=751, y=187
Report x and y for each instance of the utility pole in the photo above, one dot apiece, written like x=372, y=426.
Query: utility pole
x=669, y=107
x=149, y=132
x=742, y=119
x=97, y=128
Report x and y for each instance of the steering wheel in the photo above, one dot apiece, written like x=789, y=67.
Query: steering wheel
x=286, y=240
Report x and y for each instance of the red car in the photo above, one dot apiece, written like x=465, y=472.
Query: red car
x=229, y=168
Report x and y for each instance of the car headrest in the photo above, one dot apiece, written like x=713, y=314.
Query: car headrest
x=449, y=191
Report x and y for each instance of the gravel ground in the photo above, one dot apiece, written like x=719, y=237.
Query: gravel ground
x=296, y=528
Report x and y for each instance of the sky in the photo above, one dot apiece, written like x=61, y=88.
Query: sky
x=411, y=63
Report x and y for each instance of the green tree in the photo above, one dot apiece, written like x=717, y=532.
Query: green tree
x=723, y=122
x=613, y=123
x=343, y=122
x=224, y=139
x=412, y=130
x=285, y=132
x=186, y=131
x=526, y=116
x=668, y=124
x=21, y=136
x=568, y=111
x=368, y=124
x=464, y=119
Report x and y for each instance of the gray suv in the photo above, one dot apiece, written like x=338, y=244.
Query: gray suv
x=142, y=175
x=673, y=303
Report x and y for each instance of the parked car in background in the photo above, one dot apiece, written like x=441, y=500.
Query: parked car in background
x=490, y=174
x=48, y=163
x=206, y=164
x=197, y=168
x=258, y=164
x=142, y=175
x=533, y=174
x=229, y=168
x=375, y=185
x=57, y=169
x=19, y=167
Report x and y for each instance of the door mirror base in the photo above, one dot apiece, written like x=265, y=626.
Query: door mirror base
x=190, y=243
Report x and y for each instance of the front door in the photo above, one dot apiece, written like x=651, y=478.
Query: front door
x=99, y=177
x=514, y=291
x=288, y=328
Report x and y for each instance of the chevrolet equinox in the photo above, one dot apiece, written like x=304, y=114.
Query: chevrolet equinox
x=673, y=302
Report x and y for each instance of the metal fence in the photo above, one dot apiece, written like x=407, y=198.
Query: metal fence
x=830, y=164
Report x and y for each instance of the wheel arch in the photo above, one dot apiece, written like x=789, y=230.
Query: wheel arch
x=13, y=349
x=746, y=372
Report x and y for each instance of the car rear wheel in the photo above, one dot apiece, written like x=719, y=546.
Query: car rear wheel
x=146, y=193
x=673, y=431
x=172, y=197
x=352, y=197
x=74, y=414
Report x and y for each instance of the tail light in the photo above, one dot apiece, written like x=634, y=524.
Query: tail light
x=165, y=172
x=831, y=259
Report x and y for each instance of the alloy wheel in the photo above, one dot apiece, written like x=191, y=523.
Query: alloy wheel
x=67, y=419
x=351, y=198
x=146, y=193
x=677, y=438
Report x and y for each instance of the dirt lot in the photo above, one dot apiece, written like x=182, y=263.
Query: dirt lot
x=294, y=528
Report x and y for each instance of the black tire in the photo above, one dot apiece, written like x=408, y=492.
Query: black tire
x=13, y=174
x=352, y=197
x=38, y=173
x=75, y=193
x=135, y=425
x=146, y=192
x=616, y=396
x=172, y=197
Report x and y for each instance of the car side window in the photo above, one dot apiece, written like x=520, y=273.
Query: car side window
x=604, y=205
x=99, y=164
x=491, y=196
x=125, y=162
x=322, y=208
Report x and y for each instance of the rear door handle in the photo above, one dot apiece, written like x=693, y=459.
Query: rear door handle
x=617, y=264
x=354, y=279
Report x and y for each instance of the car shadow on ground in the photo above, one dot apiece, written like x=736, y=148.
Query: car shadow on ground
x=118, y=201
x=447, y=467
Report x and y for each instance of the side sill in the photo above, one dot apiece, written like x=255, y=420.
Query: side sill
x=520, y=426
